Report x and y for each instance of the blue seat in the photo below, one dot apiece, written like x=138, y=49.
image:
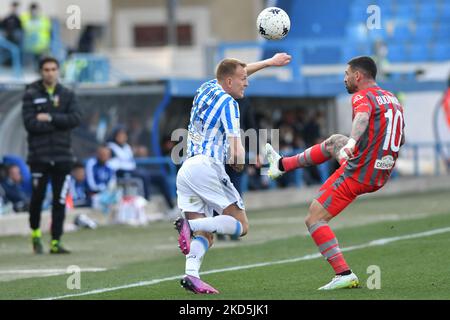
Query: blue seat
x=402, y=32
x=445, y=11
x=424, y=32
x=347, y=53
x=321, y=55
x=440, y=52
x=405, y=13
x=419, y=52
x=352, y=49
x=428, y=11
x=443, y=32
x=397, y=53
x=357, y=32
x=358, y=14
x=377, y=34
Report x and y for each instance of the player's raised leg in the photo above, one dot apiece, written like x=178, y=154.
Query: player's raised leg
x=315, y=155
x=325, y=239
x=233, y=221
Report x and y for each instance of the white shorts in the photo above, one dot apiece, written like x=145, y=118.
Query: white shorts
x=203, y=186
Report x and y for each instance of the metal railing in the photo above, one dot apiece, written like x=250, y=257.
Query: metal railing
x=14, y=52
x=86, y=67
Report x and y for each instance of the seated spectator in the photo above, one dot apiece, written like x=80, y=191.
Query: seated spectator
x=10, y=160
x=99, y=172
x=124, y=164
x=101, y=180
x=14, y=192
x=79, y=187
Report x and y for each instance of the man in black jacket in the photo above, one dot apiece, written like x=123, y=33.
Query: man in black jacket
x=50, y=112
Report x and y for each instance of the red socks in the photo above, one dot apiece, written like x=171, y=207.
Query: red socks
x=315, y=155
x=318, y=155
x=290, y=163
x=325, y=239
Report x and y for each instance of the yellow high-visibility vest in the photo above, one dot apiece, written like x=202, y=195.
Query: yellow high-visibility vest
x=37, y=33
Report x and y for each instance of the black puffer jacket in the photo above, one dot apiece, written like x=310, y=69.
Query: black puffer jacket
x=50, y=142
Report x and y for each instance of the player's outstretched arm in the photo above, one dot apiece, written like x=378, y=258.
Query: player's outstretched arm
x=278, y=60
x=359, y=126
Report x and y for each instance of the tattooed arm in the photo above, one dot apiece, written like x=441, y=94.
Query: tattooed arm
x=359, y=126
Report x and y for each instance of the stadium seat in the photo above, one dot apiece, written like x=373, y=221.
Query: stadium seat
x=397, y=53
x=424, y=32
x=440, y=52
x=402, y=32
x=443, y=31
x=357, y=32
x=321, y=55
x=377, y=34
x=358, y=14
x=445, y=11
x=419, y=52
x=405, y=13
x=347, y=53
x=428, y=12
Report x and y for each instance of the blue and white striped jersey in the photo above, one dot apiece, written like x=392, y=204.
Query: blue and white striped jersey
x=214, y=117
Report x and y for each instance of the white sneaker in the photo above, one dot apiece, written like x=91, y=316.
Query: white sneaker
x=341, y=282
x=273, y=157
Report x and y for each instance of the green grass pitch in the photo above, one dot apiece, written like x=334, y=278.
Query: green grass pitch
x=144, y=262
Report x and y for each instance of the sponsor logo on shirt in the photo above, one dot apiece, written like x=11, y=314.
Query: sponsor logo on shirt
x=385, y=163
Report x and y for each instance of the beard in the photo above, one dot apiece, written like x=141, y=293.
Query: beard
x=350, y=89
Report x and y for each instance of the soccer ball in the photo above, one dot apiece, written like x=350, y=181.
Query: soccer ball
x=273, y=23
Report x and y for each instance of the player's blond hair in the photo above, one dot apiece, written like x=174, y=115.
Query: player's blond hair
x=227, y=67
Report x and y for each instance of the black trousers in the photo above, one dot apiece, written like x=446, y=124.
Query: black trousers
x=59, y=175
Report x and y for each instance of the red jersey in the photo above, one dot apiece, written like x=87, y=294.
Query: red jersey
x=377, y=149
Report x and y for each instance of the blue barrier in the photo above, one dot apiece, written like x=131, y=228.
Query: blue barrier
x=15, y=55
x=438, y=154
x=57, y=47
x=86, y=67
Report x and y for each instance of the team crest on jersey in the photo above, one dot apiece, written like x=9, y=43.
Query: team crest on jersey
x=357, y=98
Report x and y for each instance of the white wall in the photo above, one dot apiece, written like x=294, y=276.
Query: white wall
x=418, y=111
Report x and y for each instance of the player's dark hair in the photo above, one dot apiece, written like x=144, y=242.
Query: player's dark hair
x=365, y=64
x=227, y=67
x=47, y=59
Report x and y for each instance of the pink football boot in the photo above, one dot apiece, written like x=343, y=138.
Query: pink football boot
x=196, y=285
x=184, y=238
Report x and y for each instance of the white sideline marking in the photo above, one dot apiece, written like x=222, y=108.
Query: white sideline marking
x=378, y=242
x=55, y=271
